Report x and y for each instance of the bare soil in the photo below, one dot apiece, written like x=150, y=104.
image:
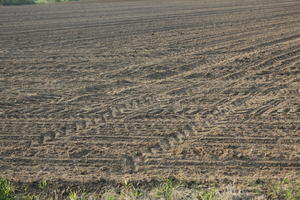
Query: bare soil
x=206, y=90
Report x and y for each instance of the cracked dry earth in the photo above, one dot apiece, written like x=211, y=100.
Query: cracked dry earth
x=208, y=89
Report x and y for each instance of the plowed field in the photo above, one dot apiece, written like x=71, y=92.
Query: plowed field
x=206, y=89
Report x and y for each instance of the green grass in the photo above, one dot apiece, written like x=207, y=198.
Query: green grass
x=210, y=194
x=168, y=189
x=285, y=189
x=110, y=195
x=75, y=196
x=43, y=185
x=6, y=190
x=131, y=191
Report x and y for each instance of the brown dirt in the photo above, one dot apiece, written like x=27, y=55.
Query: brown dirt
x=207, y=90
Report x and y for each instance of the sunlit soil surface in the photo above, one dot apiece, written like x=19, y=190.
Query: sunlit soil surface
x=207, y=90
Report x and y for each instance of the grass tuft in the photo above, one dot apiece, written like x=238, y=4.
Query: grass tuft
x=286, y=189
x=166, y=189
x=43, y=185
x=6, y=190
x=210, y=194
x=131, y=191
x=110, y=195
x=75, y=196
